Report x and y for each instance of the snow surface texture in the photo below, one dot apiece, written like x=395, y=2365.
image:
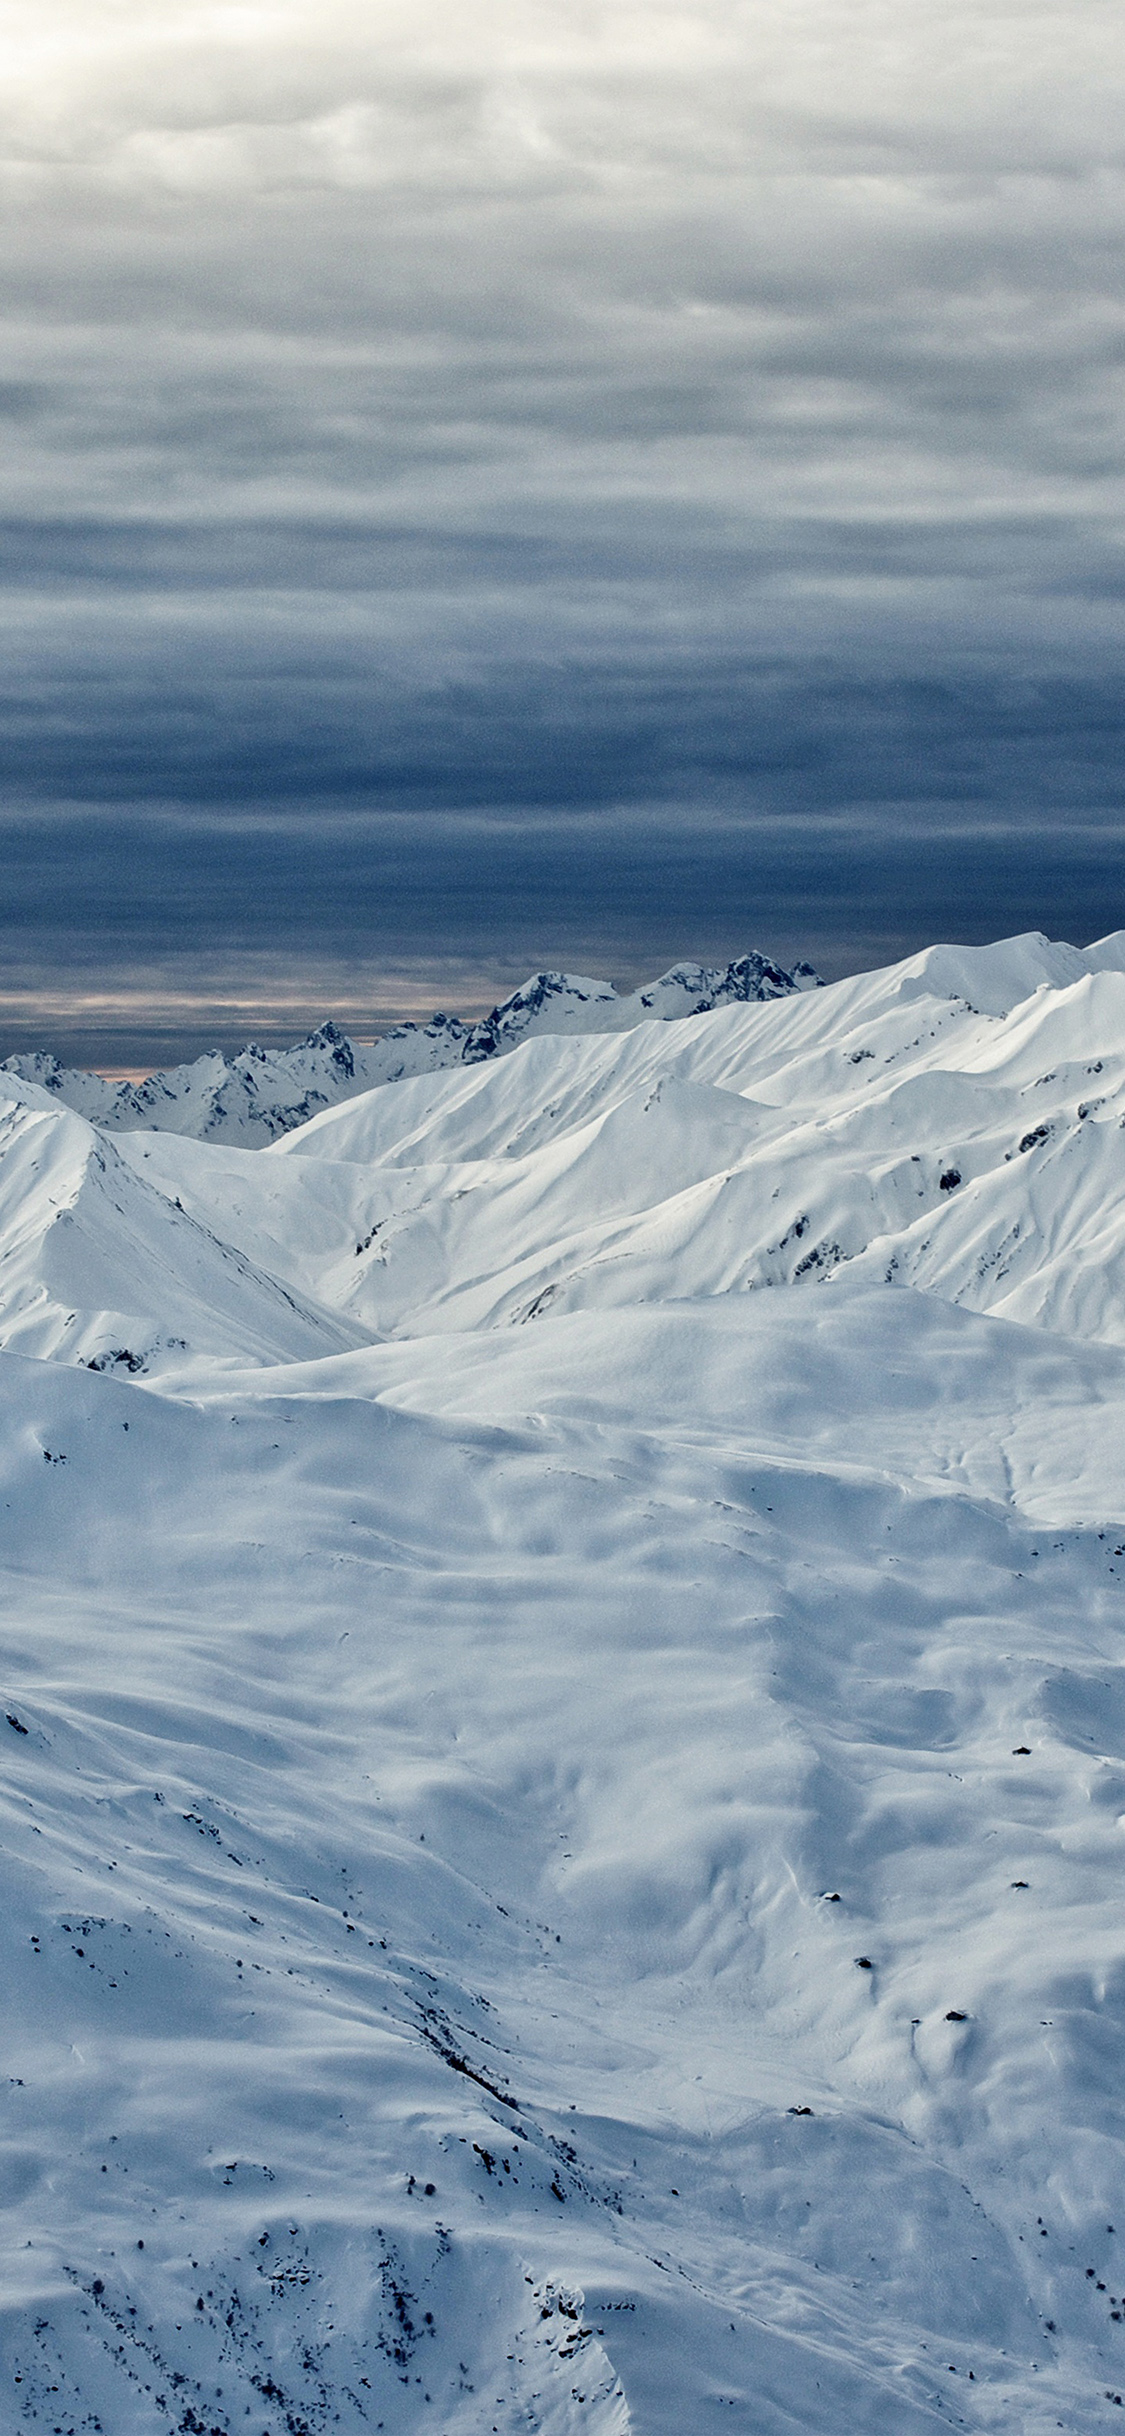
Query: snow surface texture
x=563, y=1813
x=264, y=1092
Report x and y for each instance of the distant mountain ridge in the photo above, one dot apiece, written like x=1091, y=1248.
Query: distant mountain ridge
x=258, y=1094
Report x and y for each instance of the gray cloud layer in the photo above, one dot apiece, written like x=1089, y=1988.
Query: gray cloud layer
x=655, y=434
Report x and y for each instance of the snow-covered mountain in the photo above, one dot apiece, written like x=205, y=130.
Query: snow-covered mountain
x=955, y=1124
x=575, y=1887
x=261, y=1093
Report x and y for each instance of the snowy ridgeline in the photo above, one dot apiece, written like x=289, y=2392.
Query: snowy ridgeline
x=261, y=1093
x=564, y=1735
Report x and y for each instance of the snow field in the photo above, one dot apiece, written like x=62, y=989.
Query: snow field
x=566, y=1876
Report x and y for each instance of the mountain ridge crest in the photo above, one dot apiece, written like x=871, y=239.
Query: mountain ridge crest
x=259, y=1094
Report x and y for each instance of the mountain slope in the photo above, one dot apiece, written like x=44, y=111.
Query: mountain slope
x=874, y=1126
x=98, y=1267
x=441, y=1955
x=563, y=1879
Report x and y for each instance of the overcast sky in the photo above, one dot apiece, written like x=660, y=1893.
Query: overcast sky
x=575, y=484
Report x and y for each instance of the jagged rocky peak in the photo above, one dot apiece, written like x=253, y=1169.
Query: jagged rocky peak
x=331, y=1042
x=704, y=987
x=259, y=1094
x=547, y=1002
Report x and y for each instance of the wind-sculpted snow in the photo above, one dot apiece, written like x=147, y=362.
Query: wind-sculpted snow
x=566, y=1877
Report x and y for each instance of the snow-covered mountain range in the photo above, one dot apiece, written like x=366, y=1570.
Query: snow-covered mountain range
x=261, y=1093
x=576, y=1889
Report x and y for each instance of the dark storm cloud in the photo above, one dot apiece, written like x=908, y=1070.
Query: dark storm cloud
x=191, y=932
x=645, y=449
